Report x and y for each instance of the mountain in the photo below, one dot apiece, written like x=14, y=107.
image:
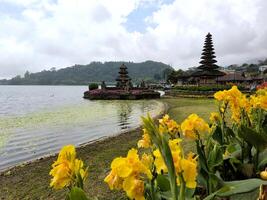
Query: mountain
x=93, y=72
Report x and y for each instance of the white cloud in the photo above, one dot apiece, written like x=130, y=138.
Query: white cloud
x=48, y=33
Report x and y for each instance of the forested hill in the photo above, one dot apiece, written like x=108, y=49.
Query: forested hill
x=93, y=72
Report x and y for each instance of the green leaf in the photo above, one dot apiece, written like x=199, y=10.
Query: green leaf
x=201, y=158
x=215, y=157
x=217, y=135
x=262, y=163
x=252, y=137
x=163, y=183
x=230, y=132
x=189, y=193
x=237, y=187
x=76, y=194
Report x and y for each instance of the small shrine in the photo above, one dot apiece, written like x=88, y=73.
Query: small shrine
x=123, y=79
x=124, y=89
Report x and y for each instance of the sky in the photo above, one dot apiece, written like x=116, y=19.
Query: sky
x=41, y=34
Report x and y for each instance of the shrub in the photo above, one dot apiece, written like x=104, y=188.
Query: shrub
x=93, y=86
x=207, y=87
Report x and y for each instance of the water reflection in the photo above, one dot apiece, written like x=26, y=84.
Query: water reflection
x=124, y=112
x=44, y=127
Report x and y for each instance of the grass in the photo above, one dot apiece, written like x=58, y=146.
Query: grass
x=180, y=108
x=32, y=180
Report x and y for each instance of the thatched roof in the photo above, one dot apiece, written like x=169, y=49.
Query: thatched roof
x=207, y=73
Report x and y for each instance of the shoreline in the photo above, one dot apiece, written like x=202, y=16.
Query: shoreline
x=31, y=180
x=163, y=110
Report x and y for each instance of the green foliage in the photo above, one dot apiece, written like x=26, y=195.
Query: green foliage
x=93, y=72
x=76, y=193
x=206, y=88
x=93, y=86
x=237, y=187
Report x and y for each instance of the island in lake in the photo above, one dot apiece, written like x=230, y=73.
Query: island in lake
x=123, y=90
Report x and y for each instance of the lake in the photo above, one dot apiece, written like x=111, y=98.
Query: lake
x=36, y=121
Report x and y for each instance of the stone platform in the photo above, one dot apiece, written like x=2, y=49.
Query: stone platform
x=119, y=94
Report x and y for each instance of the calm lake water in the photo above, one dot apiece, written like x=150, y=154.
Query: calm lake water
x=36, y=121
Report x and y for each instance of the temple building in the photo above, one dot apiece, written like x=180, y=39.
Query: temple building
x=207, y=72
x=123, y=80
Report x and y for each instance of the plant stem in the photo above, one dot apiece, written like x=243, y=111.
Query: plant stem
x=182, y=189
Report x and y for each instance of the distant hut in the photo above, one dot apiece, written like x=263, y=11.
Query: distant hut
x=123, y=79
x=207, y=72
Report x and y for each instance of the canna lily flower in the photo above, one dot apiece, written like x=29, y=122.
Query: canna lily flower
x=189, y=171
x=194, y=125
x=147, y=160
x=214, y=117
x=66, y=169
x=145, y=142
x=134, y=188
x=62, y=175
x=114, y=181
x=168, y=125
x=159, y=162
x=126, y=174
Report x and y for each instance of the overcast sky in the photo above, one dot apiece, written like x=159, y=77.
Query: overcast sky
x=40, y=34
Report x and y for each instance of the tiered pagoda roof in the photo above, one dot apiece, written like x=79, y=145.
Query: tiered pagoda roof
x=123, y=77
x=207, y=67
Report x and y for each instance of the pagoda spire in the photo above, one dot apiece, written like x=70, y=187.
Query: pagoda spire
x=123, y=79
x=208, y=55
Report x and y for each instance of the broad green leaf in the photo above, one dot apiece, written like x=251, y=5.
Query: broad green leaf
x=76, y=194
x=163, y=183
x=166, y=195
x=237, y=187
x=189, y=193
x=262, y=160
x=252, y=137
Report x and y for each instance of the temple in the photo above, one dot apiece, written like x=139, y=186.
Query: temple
x=124, y=89
x=123, y=79
x=207, y=72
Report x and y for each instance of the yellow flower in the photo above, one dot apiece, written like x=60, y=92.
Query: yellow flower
x=66, y=168
x=114, y=181
x=159, y=162
x=123, y=168
x=214, y=117
x=165, y=119
x=189, y=171
x=147, y=160
x=194, y=125
x=263, y=101
x=220, y=95
x=176, y=155
x=168, y=125
x=62, y=175
x=145, y=142
x=134, y=188
x=67, y=153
